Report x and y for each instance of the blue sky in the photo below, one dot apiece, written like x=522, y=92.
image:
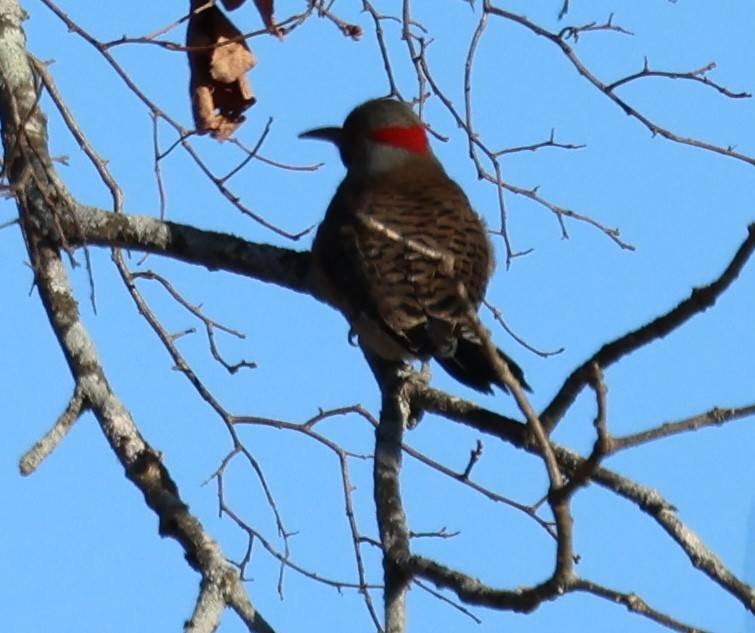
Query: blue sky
x=81, y=550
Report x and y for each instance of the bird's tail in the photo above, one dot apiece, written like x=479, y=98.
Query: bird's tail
x=471, y=366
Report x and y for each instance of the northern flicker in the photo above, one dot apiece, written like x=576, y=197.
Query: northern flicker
x=400, y=251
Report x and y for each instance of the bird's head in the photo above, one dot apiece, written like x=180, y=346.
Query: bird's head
x=378, y=135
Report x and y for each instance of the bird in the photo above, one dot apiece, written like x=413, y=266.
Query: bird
x=400, y=251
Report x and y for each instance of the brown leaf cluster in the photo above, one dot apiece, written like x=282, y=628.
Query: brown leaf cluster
x=219, y=59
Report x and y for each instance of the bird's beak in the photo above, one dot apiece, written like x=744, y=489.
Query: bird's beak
x=332, y=134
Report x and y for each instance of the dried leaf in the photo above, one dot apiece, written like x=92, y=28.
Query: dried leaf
x=219, y=59
x=230, y=60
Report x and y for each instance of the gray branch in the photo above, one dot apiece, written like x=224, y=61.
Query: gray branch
x=45, y=207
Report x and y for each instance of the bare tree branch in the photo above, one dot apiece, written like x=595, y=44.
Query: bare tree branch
x=559, y=39
x=700, y=299
x=396, y=412
x=31, y=460
x=37, y=187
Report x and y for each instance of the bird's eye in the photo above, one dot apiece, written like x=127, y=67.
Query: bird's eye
x=351, y=150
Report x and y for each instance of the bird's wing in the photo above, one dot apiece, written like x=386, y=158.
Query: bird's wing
x=398, y=251
x=428, y=252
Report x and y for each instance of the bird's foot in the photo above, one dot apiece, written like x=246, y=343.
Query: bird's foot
x=416, y=381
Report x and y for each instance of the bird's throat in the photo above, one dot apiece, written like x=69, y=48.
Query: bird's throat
x=412, y=138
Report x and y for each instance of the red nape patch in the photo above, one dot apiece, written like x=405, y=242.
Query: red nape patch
x=413, y=138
